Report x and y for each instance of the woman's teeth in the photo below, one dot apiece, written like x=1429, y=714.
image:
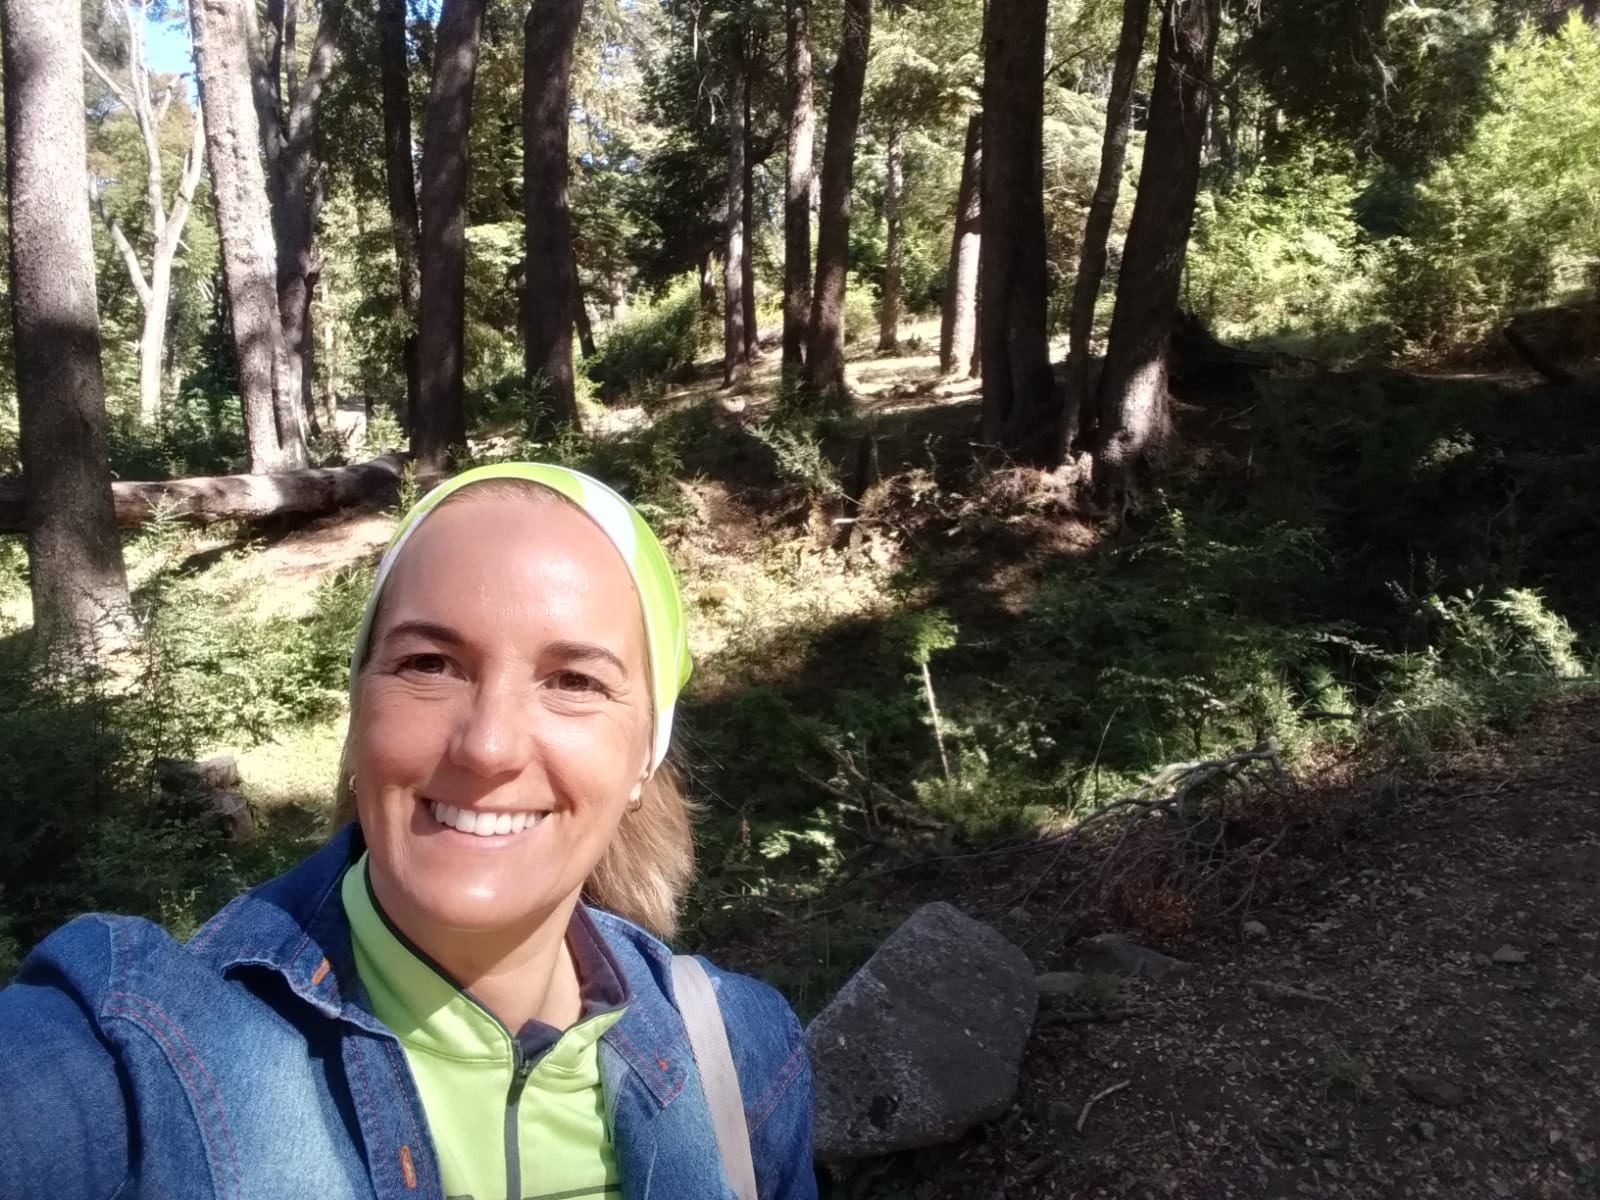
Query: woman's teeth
x=484, y=824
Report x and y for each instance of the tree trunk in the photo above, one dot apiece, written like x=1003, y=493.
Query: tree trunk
x=547, y=299
x=75, y=568
x=210, y=498
x=735, y=348
x=1097, y=227
x=708, y=284
x=752, y=333
x=825, y=355
x=289, y=134
x=1019, y=411
x=802, y=121
x=223, y=36
x=580, y=314
x=893, y=185
x=440, y=422
x=1135, y=416
x=958, y=326
x=165, y=228
x=394, y=65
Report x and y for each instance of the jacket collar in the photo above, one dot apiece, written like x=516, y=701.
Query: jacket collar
x=295, y=927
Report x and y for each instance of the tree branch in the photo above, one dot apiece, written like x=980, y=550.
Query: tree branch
x=112, y=85
x=193, y=162
x=303, y=107
x=119, y=239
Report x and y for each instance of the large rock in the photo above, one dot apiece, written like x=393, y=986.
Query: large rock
x=923, y=1042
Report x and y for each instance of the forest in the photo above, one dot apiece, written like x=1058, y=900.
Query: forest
x=1070, y=420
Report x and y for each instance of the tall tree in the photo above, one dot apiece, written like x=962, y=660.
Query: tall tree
x=802, y=132
x=1135, y=415
x=958, y=326
x=224, y=37
x=894, y=182
x=735, y=342
x=287, y=109
x=1019, y=413
x=153, y=286
x=552, y=281
x=74, y=554
x=399, y=174
x=440, y=422
x=825, y=355
x=1097, y=226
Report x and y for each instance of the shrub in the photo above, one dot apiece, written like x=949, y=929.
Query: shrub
x=1281, y=255
x=1509, y=221
x=654, y=343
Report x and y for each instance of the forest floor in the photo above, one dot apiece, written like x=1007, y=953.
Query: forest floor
x=1440, y=1040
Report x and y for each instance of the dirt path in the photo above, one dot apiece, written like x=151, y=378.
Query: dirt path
x=1450, y=1047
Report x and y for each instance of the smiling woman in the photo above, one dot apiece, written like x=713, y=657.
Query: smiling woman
x=464, y=993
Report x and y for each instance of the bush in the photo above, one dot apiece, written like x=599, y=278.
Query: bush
x=653, y=344
x=1281, y=255
x=1509, y=221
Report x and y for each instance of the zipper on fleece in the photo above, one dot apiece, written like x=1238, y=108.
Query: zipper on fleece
x=521, y=1068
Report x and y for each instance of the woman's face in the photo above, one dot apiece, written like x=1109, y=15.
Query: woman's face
x=506, y=690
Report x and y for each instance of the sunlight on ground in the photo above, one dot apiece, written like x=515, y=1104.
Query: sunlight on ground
x=299, y=766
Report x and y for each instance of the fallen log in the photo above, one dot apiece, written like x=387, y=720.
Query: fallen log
x=1545, y=366
x=206, y=499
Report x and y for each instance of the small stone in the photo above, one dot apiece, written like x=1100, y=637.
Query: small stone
x=1482, y=960
x=1234, y=1066
x=1430, y=1089
x=1060, y=984
x=1416, y=893
x=1286, y=995
x=1426, y=1131
x=1510, y=956
x=1114, y=953
x=1254, y=931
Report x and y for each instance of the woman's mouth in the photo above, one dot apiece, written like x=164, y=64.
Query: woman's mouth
x=483, y=824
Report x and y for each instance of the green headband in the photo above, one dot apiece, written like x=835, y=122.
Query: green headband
x=666, y=638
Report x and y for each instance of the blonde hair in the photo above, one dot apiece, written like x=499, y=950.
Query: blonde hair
x=648, y=866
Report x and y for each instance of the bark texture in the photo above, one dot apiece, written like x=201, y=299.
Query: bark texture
x=1135, y=416
x=802, y=130
x=735, y=345
x=751, y=331
x=1019, y=410
x=893, y=186
x=224, y=35
x=232, y=497
x=958, y=326
x=825, y=354
x=580, y=315
x=552, y=280
x=400, y=175
x=287, y=109
x=1097, y=227
x=75, y=564
x=441, y=423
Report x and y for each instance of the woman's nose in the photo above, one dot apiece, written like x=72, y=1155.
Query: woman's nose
x=494, y=736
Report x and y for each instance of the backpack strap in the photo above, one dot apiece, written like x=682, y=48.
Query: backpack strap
x=708, y=1037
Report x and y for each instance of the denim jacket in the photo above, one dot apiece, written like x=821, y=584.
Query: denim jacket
x=247, y=1065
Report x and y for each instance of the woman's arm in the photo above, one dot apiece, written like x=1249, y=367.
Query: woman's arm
x=63, y=1104
x=780, y=1120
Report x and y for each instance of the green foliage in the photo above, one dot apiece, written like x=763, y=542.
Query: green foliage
x=1281, y=254
x=655, y=343
x=84, y=824
x=1508, y=221
x=1488, y=662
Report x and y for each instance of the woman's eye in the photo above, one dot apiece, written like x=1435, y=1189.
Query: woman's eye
x=425, y=664
x=577, y=682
